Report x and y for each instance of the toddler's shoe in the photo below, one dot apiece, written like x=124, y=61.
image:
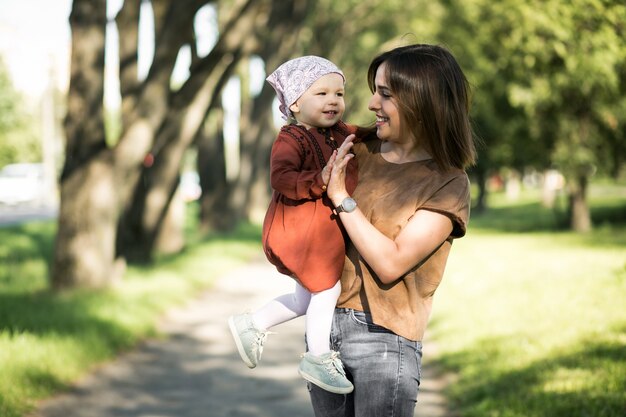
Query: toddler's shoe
x=248, y=338
x=326, y=371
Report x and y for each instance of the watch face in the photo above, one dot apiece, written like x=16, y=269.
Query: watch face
x=348, y=204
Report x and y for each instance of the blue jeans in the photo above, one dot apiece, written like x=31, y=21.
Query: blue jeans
x=384, y=368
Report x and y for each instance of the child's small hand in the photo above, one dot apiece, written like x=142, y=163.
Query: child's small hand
x=336, y=187
x=328, y=168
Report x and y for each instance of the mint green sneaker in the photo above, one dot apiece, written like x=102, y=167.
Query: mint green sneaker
x=326, y=371
x=248, y=338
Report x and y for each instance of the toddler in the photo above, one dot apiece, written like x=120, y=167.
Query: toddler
x=302, y=235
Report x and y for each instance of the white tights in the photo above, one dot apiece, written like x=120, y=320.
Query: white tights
x=319, y=308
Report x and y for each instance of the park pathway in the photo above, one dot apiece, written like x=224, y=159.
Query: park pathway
x=195, y=370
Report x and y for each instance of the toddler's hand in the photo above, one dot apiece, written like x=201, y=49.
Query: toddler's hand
x=336, y=187
x=328, y=168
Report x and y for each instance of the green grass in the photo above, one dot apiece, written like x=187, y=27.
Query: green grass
x=533, y=324
x=47, y=341
x=529, y=317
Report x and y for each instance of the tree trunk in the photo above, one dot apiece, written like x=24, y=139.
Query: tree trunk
x=84, y=247
x=580, y=220
x=250, y=193
x=189, y=108
x=215, y=212
x=152, y=196
x=481, y=181
x=259, y=189
x=85, y=242
x=171, y=235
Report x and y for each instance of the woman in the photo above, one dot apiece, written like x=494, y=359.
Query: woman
x=411, y=201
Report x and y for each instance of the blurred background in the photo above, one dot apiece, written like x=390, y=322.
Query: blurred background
x=133, y=130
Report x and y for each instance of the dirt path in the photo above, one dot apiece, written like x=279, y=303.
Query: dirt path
x=196, y=372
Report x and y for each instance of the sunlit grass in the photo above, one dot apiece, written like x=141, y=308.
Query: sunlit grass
x=533, y=323
x=25, y=253
x=47, y=341
x=529, y=316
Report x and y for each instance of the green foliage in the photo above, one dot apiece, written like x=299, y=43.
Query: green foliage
x=549, y=79
x=530, y=322
x=352, y=32
x=18, y=138
x=48, y=340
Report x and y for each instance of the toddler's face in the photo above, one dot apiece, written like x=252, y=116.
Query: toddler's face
x=322, y=104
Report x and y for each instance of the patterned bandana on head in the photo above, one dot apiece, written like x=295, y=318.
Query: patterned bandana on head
x=294, y=77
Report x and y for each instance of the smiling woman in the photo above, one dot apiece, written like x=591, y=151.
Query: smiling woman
x=412, y=201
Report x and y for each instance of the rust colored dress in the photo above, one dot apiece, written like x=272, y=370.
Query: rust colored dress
x=301, y=235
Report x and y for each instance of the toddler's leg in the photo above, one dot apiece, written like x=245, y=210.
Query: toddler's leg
x=283, y=308
x=319, y=318
x=321, y=365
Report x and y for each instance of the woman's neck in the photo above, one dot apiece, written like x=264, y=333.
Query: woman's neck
x=400, y=153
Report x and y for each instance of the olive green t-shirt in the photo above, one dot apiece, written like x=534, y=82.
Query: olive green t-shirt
x=389, y=194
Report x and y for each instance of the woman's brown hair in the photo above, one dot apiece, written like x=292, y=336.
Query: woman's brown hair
x=432, y=95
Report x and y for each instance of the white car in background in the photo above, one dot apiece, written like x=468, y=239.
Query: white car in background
x=21, y=183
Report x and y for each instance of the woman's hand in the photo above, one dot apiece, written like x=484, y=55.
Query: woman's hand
x=336, y=187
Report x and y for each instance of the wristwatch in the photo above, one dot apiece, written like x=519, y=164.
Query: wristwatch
x=347, y=205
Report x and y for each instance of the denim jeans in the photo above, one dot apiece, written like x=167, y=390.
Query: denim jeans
x=384, y=368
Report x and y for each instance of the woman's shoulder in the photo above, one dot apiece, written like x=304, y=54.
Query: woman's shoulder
x=453, y=174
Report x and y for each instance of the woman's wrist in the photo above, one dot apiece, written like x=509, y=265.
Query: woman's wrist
x=338, y=198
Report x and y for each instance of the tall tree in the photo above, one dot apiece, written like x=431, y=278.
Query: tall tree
x=188, y=108
x=84, y=243
x=550, y=74
x=248, y=193
x=98, y=180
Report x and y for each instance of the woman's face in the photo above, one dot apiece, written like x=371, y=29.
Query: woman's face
x=384, y=106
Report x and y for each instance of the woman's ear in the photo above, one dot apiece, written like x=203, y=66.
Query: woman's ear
x=295, y=108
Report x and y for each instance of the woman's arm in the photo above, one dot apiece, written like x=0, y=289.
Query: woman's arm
x=390, y=259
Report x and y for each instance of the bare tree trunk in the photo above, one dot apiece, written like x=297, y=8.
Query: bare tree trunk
x=170, y=238
x=259, y=188
x=257, y=135
x=215, y=212
x=249, y=194
x=146, y=106
x=152, y=196
x=230, y=200
x=481, y=182
x=189, y=107
x=84, y=247
x=85, y=242
x=580, y=220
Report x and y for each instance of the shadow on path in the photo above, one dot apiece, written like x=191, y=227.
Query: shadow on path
x=196, y=372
